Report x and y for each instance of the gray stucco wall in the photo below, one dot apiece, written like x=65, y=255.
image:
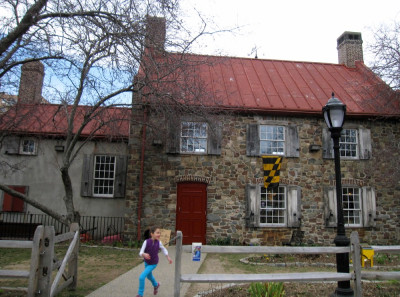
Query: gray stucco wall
x=42, y=175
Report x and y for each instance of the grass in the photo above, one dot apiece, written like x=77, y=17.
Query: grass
x=229, y=263
x=96, y=267
x=232, y=262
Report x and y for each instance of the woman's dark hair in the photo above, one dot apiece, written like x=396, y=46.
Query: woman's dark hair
x=147, y=233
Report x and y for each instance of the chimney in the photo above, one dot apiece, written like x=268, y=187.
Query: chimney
x=155, y=33
x=31, y=83
x=349, y=46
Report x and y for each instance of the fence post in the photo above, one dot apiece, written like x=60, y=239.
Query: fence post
x=46, y=261
x=35, y=258
x=73, y=264
x=355, y=244
x=93, y=226
x=178, y=259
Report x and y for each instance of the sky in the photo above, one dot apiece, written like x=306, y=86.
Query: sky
x=292, y=30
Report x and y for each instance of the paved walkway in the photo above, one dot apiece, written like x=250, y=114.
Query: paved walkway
x=127, y=284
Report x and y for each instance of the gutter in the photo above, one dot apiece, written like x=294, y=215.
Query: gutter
x=140, y=202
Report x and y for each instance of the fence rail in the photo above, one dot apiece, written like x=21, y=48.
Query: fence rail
x=43, y=262
x=22, y=226
x=357, y=275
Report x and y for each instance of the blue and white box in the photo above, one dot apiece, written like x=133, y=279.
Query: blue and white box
x=196, y=251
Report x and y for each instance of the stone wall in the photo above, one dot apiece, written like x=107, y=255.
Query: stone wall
x=228, y=174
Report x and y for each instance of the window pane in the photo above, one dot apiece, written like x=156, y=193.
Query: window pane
x=351, y=206
x=348, y=143
x=27, y=146
x=104, y=173
x=273, y=206
x=272, y=140
x=194, y=137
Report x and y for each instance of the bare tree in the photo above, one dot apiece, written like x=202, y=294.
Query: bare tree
x=386, y=54
x=92, y=51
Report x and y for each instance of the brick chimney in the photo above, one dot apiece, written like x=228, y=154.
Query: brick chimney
x=155, y=33
x=349, y=46
x=31, y=83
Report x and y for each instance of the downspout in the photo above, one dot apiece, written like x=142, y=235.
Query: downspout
x=139, y=214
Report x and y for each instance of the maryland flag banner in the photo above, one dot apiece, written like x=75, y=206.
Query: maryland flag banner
x=272, y=167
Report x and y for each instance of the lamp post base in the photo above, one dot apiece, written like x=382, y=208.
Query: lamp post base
x=342, y=265
x=341, y=292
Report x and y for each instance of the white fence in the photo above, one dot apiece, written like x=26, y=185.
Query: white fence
x=356, y=276
x=43, y=261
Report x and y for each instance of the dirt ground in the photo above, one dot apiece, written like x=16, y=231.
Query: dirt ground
x=216, y=264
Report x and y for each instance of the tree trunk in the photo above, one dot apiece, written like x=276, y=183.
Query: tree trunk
x=72, y=216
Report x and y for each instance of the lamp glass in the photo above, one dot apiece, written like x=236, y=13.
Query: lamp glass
x=334, y=112
x=337, y=117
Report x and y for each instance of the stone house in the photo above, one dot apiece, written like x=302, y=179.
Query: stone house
x=204, y=176
x=33, y=146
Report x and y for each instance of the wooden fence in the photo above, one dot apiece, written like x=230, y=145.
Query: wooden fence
x=356, y=276
x=43, y=262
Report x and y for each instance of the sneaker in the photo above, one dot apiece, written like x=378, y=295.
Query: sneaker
x=156, y=289
x=139, y=296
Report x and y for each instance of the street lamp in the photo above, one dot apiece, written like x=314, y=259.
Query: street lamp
x=334, y=112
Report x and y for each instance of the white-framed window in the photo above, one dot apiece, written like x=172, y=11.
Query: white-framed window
x=104, y=176
x=272, y=140
x=359, y=206
x=351, y=203
x=28, y=146
x=193, y=137
x=355, y=144
x=273, y=206
x=349, y=143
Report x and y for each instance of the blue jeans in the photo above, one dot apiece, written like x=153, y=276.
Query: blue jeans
x=148, y=269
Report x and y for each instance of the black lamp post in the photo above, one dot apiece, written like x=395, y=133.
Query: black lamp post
x=334, y=112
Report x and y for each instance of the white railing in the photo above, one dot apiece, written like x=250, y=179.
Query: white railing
x=355, y=276
x=42, y=261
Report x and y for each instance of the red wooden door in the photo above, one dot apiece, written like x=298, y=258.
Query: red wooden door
x=191, y=212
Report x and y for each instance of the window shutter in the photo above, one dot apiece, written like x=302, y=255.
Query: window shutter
x=327, y=144
x=294, y=206
x=7, y=202
x=253, y=140
x=365, y=144
x=173, y=139
x=120, y=176
x=292, y=142
x=87, y=176
x=252, y=214
x=330, y=207
x=214, y=139
x=369, y=206
x=14, y=204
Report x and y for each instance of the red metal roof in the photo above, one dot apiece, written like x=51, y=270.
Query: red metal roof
x=288, y=87
x=51, y=120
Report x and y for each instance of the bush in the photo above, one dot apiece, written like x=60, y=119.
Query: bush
x=266, y=290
